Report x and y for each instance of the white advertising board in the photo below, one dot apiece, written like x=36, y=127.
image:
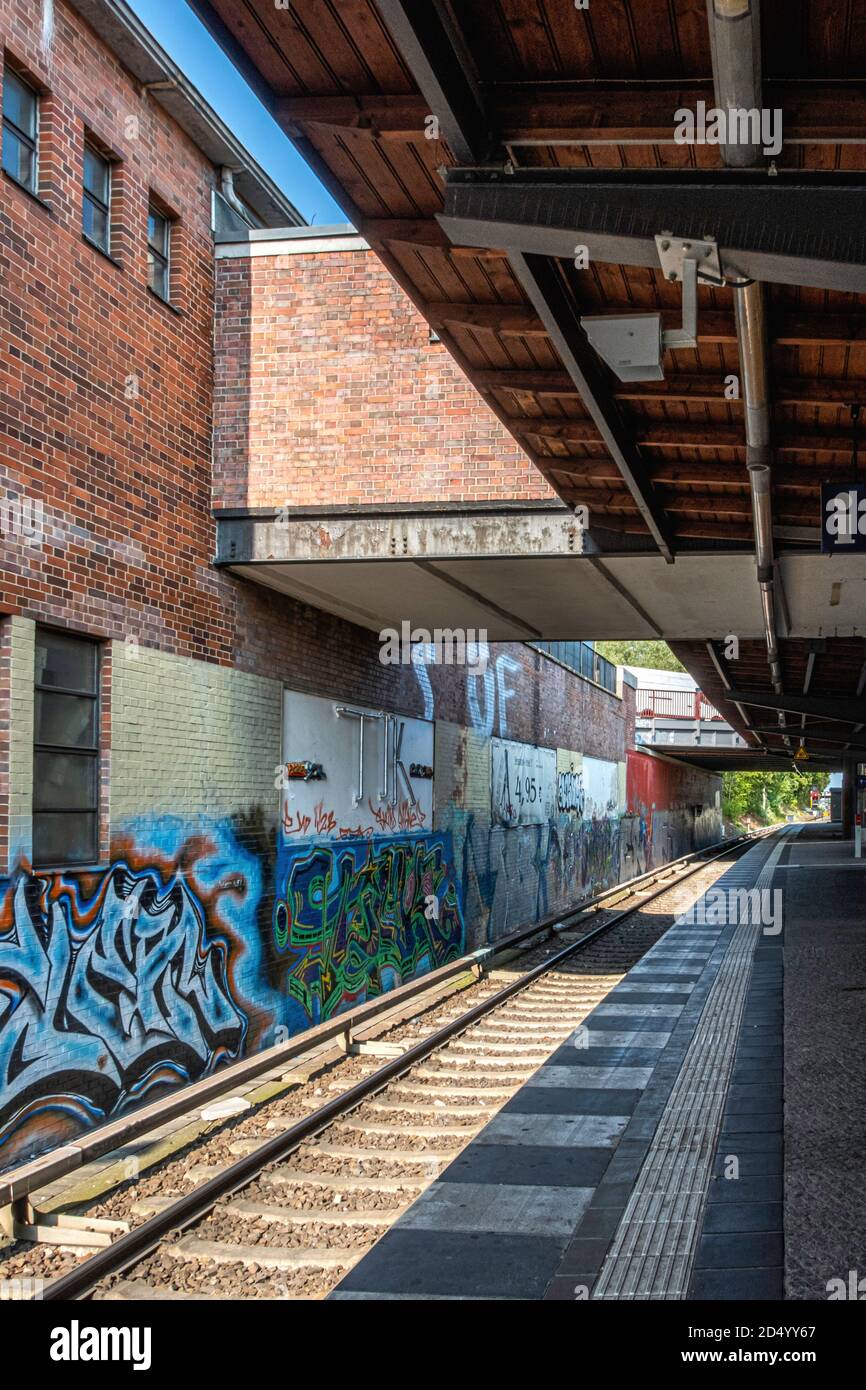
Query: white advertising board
x=523, y=783
x=366, y=784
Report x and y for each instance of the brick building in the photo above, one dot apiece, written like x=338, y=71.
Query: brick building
x=220, y=813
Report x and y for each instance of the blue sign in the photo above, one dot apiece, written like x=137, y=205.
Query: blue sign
x=843, y=518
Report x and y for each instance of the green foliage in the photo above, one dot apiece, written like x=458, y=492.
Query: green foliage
x=657, y=655
x=768, y=796
x=760, y=797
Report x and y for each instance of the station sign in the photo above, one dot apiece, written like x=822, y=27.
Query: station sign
x=843, y=518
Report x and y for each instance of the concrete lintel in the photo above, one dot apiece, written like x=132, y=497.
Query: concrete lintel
x=269, y=540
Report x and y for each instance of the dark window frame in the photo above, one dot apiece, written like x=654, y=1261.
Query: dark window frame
x=90, y=197
x=92, y=753
x=30, y=142
x=160, y=255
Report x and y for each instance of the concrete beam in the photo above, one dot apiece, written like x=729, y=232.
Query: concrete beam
x=304, y=540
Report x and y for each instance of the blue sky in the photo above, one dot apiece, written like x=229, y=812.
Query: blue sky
x=190, y=45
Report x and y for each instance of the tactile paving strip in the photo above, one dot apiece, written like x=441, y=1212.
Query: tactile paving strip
x=654, y=1247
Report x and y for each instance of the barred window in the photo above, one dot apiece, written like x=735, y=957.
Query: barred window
x=159, y=252
x=20, y=130
x=66, y=751
x=97, y=198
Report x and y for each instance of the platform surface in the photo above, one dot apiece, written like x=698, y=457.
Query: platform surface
x=644, y=1162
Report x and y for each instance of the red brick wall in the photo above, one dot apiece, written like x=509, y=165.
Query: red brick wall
x=105, y=391
x=348, y=402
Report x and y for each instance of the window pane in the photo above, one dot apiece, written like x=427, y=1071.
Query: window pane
x=18, y=159
x=69, y=721
x=64, y=838
x=157, y=275
x=67, y=662
x=64, y=781
x=157, y=232
x=95, y=223
x=95, y=174
x=19, y=104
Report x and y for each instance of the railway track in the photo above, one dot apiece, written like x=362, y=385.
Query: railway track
x=285, y=1212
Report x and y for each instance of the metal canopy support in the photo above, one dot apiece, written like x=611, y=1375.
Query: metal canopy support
x=432, y=46
x=546, y=289
x=784, y=229
x=826, y=730
x=846, y=711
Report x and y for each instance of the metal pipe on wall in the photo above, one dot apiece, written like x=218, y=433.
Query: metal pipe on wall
x=735, y=44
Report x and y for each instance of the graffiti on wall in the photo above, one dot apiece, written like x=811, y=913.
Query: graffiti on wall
x=512, y=870
x=489, y=690
x=511, y=876
x=356, y=918
x=118, y=985
x=523, y=780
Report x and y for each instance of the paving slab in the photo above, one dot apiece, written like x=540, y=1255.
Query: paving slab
x=530, y=1207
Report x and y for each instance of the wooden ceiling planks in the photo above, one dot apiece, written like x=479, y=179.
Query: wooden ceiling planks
x=615, y=72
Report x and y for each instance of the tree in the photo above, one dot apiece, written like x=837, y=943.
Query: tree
x=657, y=655
x=767, y=796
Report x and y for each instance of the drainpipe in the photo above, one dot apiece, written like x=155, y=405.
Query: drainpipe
x=735, y=44
x=735, y=41
x=227, y=189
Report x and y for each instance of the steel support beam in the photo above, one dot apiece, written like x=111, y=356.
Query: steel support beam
x=546, y=289
x=790, y=229
x=431, y=44
x=846, y=711
x=834, y=731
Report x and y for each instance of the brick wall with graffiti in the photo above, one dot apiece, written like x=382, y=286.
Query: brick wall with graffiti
x=276, y=856
x=671, y=809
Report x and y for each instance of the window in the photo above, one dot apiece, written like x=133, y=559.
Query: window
x=66, y=753
x=158, y=252
x=97, y=198
x=20, y=130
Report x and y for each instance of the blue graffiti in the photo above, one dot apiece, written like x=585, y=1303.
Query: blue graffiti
x=356, y=917
x=112, y=992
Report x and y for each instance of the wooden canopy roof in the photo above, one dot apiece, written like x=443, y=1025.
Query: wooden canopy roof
x=384, y=97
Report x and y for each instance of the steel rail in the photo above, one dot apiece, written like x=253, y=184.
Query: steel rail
x=132, y=1247
x=20, y=1182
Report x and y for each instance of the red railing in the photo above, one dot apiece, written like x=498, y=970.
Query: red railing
x=675, y=704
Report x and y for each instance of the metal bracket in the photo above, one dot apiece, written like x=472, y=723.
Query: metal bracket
x=687, y=261
x=23, y=1221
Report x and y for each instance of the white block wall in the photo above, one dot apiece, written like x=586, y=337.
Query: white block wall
x=189, y=737
x=22, y=639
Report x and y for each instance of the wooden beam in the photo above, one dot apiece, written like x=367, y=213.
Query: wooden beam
x=661, y=435
x=700, y=388
x=423, y=231
x=714, y=326
x=690, y=473
x=508, y=319
x=579, y=115
x=380, y=117
x=414, y=231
